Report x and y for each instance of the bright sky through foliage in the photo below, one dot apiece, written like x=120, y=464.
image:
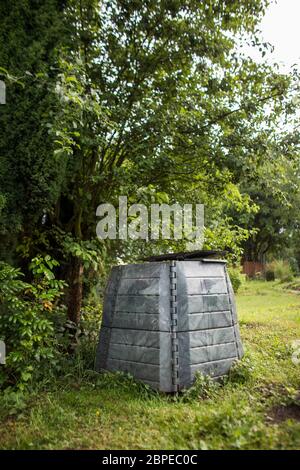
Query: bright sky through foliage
x=281, y=27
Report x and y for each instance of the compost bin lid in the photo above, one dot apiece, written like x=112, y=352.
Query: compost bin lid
x=187, y=255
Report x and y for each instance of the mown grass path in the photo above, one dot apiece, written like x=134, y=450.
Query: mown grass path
x=257, y=408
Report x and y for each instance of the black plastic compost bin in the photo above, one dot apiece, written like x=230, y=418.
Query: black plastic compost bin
x=166, y=319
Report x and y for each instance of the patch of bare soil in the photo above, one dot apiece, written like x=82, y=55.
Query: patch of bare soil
x=295, y=287
x=279, y=414
x=271, y=389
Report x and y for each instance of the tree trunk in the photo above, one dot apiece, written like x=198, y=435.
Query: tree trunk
x=75, y=290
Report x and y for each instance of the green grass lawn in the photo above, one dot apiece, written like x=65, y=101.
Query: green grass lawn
x=257, y=408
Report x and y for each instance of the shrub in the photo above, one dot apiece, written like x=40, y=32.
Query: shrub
x=236, y=277
x=26, y=323
x=282, y=270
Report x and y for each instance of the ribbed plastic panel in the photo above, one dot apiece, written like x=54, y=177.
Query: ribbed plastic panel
x=164, y=321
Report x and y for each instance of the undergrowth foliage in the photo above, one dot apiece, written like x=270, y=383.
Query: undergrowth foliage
x=26, y=321
x=242, y=370
x=40, y=343
x=236, y=277
x=203, y=387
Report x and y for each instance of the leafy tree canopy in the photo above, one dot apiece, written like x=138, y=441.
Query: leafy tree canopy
x=151, y=99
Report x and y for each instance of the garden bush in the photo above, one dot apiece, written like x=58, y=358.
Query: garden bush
x=26, y=321
x=282, y=270
x=236, y=277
